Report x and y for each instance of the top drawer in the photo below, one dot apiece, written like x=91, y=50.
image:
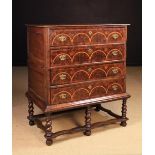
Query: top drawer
x=69, y=37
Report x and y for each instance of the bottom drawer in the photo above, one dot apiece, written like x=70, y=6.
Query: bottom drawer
x=88, y=90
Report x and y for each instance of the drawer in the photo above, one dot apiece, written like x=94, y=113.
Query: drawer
x=90, y=54
x=70, y=75
x=88, y=90
x=87, y=36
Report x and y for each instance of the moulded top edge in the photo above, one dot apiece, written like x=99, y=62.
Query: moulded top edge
x=75, y=25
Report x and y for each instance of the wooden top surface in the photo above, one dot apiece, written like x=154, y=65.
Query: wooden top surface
x=76, y=25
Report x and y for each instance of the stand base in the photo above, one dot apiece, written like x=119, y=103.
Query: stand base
x=31, y=123
x=39, y=119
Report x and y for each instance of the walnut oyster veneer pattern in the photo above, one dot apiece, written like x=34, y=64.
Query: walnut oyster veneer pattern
x=75, y=66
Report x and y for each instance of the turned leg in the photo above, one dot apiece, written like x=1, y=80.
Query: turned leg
x=48, y=131
x=98, y=107
x=88, y=121
x=30, y=111
x=124, y=110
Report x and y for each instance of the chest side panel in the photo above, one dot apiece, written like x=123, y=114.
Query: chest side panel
x=37, y=57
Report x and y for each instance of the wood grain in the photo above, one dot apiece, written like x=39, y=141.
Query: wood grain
x=76, y=66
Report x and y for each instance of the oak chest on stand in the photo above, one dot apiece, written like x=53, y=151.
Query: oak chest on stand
x=75, y=66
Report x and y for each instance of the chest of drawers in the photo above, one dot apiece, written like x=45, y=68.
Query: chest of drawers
x=75, y=66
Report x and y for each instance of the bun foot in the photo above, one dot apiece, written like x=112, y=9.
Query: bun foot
x=123, y=124
x=31, y=123
x=49, y=142
x=88, y=133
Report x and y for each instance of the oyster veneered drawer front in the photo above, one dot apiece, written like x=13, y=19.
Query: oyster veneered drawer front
x=87, y=91
x=84, y=73
x=91, y=54
x=87, y=36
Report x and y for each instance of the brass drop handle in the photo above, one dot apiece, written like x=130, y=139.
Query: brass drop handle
x=63, y=95
x=62, y=38
x=115, y=70
x=114, y=87
x=115, y=36
x=62, y=57
x=114, y=53
x=62, y=76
